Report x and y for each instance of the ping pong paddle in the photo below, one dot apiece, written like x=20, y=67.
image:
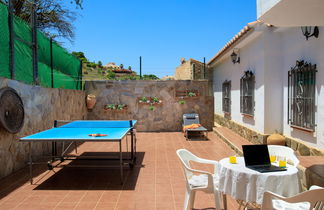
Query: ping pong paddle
x=97, y=135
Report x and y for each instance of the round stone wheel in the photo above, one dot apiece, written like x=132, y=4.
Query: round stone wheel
x=11, y=110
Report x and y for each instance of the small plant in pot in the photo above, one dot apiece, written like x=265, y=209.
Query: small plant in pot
x=191, y=94
x=144, y=100
x=181, y=101
x=110, y=106
x=121, y=106
x=151, y=108
x=156, y=100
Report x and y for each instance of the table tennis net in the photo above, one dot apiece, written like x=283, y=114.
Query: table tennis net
x=99, y=124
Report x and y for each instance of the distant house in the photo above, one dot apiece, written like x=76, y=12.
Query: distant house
x=122, y=71
x=111, y=65
x=119, y=70
x=190, y=70
x=168, y=78
x=270, y=79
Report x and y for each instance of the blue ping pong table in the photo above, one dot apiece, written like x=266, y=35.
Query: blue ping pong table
x=79, y=131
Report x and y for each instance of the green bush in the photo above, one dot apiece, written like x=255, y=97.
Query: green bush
x=111, y=75
x=150, y=77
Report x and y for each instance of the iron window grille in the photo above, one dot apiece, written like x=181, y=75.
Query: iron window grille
x=247, y=84
x=226, y=96
x=301, y=95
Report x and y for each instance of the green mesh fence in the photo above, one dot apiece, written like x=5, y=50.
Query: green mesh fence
x=56, y=67
x=44, y=48
x=4, y=42
x=23, y=53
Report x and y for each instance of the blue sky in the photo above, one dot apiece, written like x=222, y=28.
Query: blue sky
x=161, y=31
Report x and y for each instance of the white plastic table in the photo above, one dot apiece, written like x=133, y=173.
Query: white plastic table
x=249, y=185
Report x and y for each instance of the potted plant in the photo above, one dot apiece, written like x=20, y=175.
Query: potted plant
x=121, y=106
x=156, y=100
x=191, y=94
x=110, y=106
x=116, y=107
x=144, y=100
x=182, y=101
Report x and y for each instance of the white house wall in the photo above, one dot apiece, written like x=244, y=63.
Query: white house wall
x=295, y=47
x=273, y=83
x=252, y=59
x=270, y=56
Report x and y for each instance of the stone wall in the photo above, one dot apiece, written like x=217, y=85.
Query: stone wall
x=183, y=72
x=251, y=135
x=299, y=146
x=188, y=71
x=42, y=106
x=166, y=116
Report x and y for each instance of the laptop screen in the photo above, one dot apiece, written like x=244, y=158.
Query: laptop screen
x=256, y=154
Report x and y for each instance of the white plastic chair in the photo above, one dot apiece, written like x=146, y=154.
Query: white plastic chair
x=283, y=151
x=198, y=180
x=311, y=199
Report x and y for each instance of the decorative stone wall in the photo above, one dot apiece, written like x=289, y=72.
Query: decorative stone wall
x=42, y=106
x=303, y=149
x=252, y=136
x=166, y=116
x=300, y=147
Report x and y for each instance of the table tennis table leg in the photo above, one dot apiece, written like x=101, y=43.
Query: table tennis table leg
x=53, y=151
x=30, y=163
x=132, y=146
x=134, y=140
x=121, y=161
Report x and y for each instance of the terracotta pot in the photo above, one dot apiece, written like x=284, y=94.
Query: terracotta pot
x=91, y=101
x=276, y=139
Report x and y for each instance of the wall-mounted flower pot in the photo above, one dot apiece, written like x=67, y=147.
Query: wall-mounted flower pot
x=186, y=93
x=149, y=101
x=116, y=107
x=91, y=101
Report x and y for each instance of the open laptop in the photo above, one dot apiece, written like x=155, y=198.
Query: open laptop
x=256, y=157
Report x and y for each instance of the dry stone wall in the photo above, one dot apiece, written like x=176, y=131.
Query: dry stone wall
x=166, y=116
x=254, y=137
x=42, y=106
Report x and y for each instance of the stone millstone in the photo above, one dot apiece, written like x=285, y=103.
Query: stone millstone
x=11, y=110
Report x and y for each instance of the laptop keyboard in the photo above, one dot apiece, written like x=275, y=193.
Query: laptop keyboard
x=269, y=168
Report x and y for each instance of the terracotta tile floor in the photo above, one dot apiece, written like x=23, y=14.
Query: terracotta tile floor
x=156, y=182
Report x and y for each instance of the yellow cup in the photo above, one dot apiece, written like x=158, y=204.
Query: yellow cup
x=273, y=158
x=282, y=163
x=232, y=159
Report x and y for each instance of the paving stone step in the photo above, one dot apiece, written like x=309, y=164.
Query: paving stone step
x=234, y=140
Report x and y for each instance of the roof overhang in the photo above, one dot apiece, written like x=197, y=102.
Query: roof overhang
x=290, y=13
x=247, y=34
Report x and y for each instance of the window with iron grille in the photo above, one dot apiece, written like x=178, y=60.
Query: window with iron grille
x=301, y=95
x=247, y=93
x=227, y=96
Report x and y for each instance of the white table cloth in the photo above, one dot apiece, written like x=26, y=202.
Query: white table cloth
x=249, y=185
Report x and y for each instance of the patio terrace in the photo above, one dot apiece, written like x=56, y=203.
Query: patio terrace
x=156, y=182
